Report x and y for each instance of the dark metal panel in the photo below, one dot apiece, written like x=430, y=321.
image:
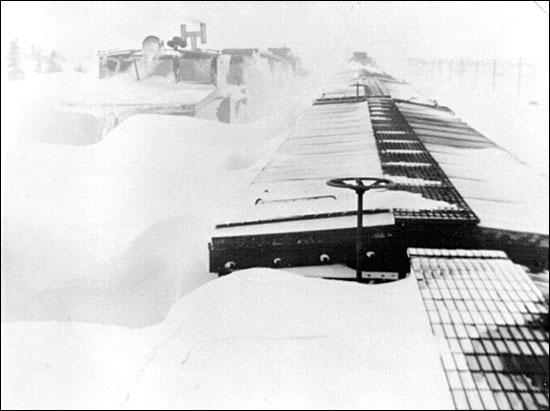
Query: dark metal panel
x=400, y=160
x=492, y=318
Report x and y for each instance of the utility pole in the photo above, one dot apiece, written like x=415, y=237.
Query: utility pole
x=519, y=76
x=494, y=73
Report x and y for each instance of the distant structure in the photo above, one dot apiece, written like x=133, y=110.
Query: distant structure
x=361, y=57
x=15, y=61
x=54, y=63
x=193, y=35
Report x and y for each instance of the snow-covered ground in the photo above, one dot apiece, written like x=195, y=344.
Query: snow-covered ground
x=258, y=337
x=111, y=233
x=515, y=119
x=114, y=232
x=106, y=229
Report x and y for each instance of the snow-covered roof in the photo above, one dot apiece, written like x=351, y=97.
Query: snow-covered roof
x=503, y=191
x=329, y=141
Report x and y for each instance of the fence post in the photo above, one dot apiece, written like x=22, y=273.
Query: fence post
x=519, y=76
x=494, y=72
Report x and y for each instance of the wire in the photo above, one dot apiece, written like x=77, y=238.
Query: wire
x=540, y=7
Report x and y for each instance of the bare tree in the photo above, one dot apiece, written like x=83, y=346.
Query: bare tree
x=54, y=62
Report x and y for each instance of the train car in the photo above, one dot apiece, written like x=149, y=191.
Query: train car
x=377, y=183
x=179, y=78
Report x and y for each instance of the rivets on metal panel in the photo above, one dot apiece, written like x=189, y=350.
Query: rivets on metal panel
x=324, y=258
x=230, y=265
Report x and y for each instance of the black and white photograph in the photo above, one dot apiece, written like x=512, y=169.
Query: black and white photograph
x=275, y=205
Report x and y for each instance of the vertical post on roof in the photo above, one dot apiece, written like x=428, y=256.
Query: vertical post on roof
x=359, y=234
x=203, y=33
x=519, y=77
x=183, y=31
x=494, y=73
x=137, y=71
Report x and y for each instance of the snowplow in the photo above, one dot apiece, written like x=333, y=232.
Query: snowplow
x=182, y=79
x=177, y=77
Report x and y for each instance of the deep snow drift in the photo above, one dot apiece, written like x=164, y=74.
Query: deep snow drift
x=284, y=340
x=113, y=232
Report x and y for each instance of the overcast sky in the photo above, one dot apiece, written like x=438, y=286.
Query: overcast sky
x=403, y=29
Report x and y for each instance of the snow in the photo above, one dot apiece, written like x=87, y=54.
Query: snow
x=506, y=186
x=339, y=200
x=504, y=192
x=516, y=120
x=403, y=151
x=78, y=108
x=413, y=181
x=69, y=365
x=284, y=340
x=407, y=164
x=293, y=182
x=108, y=232
x=380, y=218
x=122, y=90
x=114, y=231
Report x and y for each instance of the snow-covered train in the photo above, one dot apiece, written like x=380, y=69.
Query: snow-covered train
x=182, y=79
x=429, y=200
x=173, y=78
x=372, y=124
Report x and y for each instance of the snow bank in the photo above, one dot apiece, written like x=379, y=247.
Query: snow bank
x=255, y=339
x=54, y=365
x=88, y=89
x=114, y=232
